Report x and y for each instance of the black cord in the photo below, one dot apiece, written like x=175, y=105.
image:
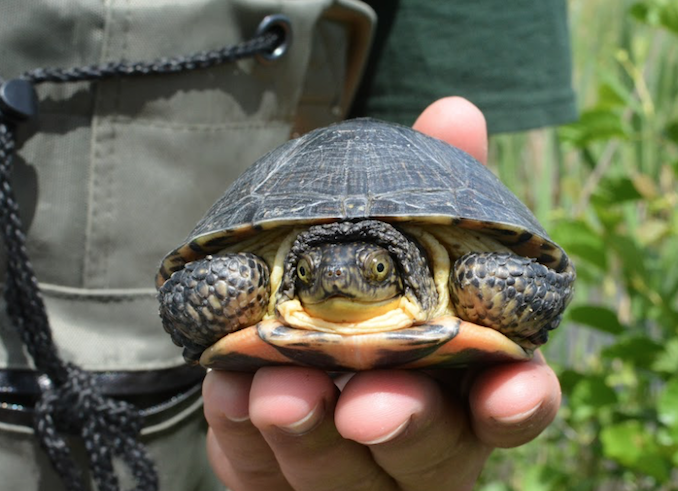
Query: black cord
x=196, y=61
x=71, y=403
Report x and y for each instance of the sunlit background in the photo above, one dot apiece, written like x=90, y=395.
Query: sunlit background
x=606, y=189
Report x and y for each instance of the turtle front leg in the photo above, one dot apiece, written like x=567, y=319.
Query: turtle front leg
x=212, y=297
x=515, y=295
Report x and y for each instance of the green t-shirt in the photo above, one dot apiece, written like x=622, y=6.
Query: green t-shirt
x=511, y=59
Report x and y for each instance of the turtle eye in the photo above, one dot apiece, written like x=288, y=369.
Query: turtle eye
x=304, y=270
x=378, y=266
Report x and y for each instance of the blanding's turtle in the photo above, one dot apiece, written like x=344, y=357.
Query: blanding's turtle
x=364, y=245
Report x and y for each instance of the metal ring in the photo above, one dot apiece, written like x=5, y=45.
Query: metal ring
x=270, y=23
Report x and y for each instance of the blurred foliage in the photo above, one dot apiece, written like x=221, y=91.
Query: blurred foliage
x=606, y=187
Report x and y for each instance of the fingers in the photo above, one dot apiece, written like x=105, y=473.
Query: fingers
x=512, y=404
x=294, y=410
x=416, y=433
x=509, y=404
x=238, y=453
x=290, y=436
x=390, y=430
x=458, y=122
x=286, y=428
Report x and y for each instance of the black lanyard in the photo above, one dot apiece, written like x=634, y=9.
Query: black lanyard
x=70, y=402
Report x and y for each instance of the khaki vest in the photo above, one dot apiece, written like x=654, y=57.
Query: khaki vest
x=114, y=174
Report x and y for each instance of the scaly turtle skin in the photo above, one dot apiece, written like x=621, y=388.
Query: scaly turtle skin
x=364, y=245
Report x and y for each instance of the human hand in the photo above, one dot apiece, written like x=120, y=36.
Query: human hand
x=291, y=428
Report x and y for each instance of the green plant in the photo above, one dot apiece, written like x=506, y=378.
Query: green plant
x=611, y=202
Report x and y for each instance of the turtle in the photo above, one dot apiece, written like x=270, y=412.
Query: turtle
x=364, y=245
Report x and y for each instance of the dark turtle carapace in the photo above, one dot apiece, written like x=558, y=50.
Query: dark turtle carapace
x=364, y=245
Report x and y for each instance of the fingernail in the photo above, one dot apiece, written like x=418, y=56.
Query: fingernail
x=238, y=413
x=305, y=424
x=389, y=436
x=227, y=395
x=238, y=419
x=341, y=380
x=518, y=417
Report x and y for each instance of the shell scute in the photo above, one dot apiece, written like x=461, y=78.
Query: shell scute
x=361, y=169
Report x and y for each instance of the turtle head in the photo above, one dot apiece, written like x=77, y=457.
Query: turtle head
x=347, y=282
x=354, y=277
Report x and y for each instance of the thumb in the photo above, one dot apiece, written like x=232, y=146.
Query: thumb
x=458, y=122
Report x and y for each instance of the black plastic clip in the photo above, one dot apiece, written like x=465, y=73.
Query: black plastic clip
x=18, y=101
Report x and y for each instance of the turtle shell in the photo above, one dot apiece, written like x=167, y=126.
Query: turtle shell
x=365, y=168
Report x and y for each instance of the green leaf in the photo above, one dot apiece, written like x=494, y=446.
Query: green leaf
x=632, y=256
x=612, y=94
x=593, y=391
x=594, y=125
x=610, y=216
x=579, y=239
x=662, y=13
x=667, y=360
x=617, y=190
x=645, y=186
x=589, y=396
x=632, y=446
x=668, y=265
x=671, y=131
x=667, y=406
x=542, y=478
x=637, y=349
x=640, y=11
x=495, y=486
x=653, y=231
x=599, y=318
x=569, y=379
x=668, y=15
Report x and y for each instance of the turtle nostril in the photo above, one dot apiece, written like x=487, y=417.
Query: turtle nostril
x=338, y=272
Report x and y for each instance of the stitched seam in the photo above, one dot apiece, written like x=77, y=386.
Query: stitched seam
x=108, y=203
x=122, y=298
x=94, y=150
